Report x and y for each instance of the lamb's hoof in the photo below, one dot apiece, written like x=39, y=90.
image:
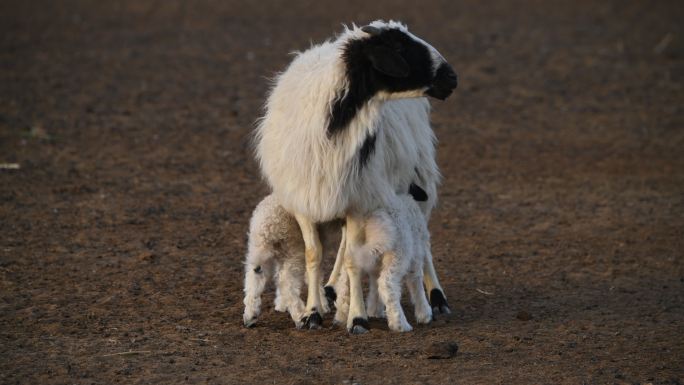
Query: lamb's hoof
x=313, y=321
x=438, y=302
x=424, y=318
x=359, y=326
x=401, y=328
x=250, y=323
x=330, y=295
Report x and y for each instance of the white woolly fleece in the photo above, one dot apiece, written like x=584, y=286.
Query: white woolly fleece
x=316, y=176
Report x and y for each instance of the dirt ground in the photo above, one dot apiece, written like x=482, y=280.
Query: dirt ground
x=559, y=236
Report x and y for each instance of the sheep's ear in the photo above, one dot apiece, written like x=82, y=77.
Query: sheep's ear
x=369, y=29
x=388, y=62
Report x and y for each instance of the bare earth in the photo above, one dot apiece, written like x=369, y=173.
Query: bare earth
x=559, y=236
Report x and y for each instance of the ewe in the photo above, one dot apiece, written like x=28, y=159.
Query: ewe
x=336, y=143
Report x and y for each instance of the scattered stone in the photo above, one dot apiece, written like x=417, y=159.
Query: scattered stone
x=442, y=350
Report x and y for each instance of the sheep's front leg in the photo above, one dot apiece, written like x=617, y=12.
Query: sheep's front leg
x=357, y=319
x=437, y=298
x=313, y=254
x=330, y=293
x=389, y=287
x=342, y=301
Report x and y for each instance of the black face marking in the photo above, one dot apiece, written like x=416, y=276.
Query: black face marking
x=444, y=83
x=417, y=193
x=366, y=150
x=258, y=270
x=389, y=60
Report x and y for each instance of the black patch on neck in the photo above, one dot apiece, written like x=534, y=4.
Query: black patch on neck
x=360, y=87
x=366, y=150
x=417, y=193
x=364, y=81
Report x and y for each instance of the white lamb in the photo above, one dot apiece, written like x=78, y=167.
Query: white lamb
x=396, y=244
x=274, y=249
x=336, y=143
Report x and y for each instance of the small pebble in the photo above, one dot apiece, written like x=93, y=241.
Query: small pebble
x=523, y=316
x=442, y=350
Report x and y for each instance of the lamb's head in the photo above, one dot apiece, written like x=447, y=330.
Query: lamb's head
x=399, y=64
x=384, y=60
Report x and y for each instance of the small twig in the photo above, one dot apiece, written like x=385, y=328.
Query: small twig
x=9, y=166
x=664, y=42
x=128, y=353
x=483, y=292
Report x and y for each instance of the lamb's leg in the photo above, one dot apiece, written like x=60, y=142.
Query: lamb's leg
x=374, y=307
x=421, y=307
x=256, y=277
x=342, y=301
x=313, y=252
x=389, y=287
x=357, y=320
x=437, y=298
x=279, y=303
x=330, y=293
x=290, y=281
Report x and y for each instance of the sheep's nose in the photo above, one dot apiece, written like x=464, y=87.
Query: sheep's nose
x=444, y=83
x=449, y=76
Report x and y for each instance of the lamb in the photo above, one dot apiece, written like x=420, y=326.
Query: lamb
x=396, y=243
x=274, y=248
x=328, y=147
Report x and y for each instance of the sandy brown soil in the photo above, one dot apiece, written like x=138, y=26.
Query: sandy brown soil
x=124, y=228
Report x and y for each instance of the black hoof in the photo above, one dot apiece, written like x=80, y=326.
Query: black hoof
x=438, y=302
x=330, y=295
x=251, y=323
x=313, y=321
x=359, y=326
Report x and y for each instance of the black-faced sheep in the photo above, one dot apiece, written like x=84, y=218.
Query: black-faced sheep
x=325, y=151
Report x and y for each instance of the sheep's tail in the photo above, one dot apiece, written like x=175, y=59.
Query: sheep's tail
x=381, y=234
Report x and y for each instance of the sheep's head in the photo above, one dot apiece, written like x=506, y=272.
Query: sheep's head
x=385, y=60
x=403, y=63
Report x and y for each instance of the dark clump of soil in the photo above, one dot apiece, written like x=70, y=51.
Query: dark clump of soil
x=128, y=179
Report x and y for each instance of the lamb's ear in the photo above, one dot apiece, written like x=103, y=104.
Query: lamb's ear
x=388, y=62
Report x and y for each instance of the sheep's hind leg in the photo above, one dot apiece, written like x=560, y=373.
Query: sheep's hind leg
x=374, y=307
x=330, y=293
x=389, y=287
x=357, y=319
x=421, y=307
x=256, y=277
x=313, y=253
x=437, y=298
x=290, y=281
